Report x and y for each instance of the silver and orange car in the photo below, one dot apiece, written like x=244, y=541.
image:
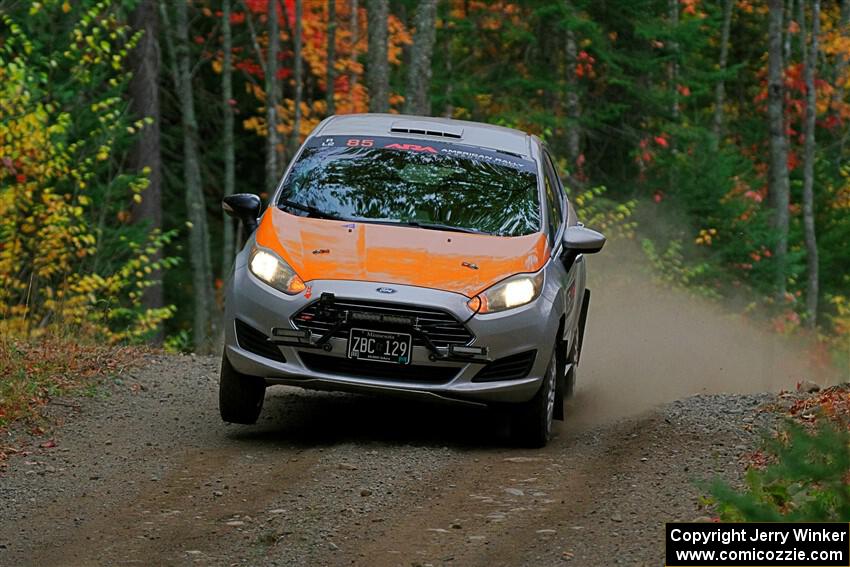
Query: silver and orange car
x=411, y=256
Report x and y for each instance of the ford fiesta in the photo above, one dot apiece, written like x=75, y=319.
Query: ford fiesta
x=411, y=256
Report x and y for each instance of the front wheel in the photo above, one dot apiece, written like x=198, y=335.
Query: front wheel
x=240, y=397
x=532, y=420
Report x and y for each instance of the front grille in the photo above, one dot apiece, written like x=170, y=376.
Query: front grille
x=511, y=367
x=440, y=327
x=378, y=370
x=255, y=341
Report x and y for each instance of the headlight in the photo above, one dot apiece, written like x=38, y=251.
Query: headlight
x=275, y=272
x=513, y=292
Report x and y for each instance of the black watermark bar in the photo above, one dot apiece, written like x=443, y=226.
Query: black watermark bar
x=758, y=544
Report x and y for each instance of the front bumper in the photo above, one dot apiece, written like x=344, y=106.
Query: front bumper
x=531, y=327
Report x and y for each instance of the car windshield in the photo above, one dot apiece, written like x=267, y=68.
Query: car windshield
x=414, y=182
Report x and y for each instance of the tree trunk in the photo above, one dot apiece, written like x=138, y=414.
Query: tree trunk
x=377, y=67
x=199, y=252
x=842, y=62
x=573, y=108
x=778, y=177
x=144, y=103
x=272, y=168
x=674, y=67
x=418, y=100
x=229, y=248
x=331, y=78
x=295, y=139
x=789, y=15
x=354, y=26
x=810, y=63
x=720, y=88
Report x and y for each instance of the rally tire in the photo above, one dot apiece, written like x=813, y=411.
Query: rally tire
x=240, y=396
x=532, y=420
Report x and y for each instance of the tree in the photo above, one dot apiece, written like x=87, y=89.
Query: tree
x=377, y=67
x=673, y=8
x=295, y=139
x=720, y=88
x=229, y=247
x=418, y=100
x=778, y=167
x=330, y=80
x=354, y=30
x=204, y=321
x=573, y=105
x=810, y=63
x=844, y=58
x=272, y=167
x=145, y=155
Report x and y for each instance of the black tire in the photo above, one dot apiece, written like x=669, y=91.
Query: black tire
x=532, y=420
x=240, y=397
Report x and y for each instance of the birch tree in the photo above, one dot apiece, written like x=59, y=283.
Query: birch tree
x=204, y=323
x=297, y=55
x=377, y=66
x=573, y=101
x=417, y=99
x=810, y=70
x=354, y=30
x=720, y=88
x=272, y=168
x=331, y=72
x=229, y=247
x=778, y=176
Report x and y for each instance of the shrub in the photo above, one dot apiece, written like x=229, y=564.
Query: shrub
x=808, y=479
x=70, y=261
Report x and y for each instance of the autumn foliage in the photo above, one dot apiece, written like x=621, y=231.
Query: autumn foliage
x=57, y=160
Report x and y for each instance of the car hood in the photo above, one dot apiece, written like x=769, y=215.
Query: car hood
x=321, y=249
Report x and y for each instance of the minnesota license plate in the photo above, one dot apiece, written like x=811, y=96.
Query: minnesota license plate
x=381, y=346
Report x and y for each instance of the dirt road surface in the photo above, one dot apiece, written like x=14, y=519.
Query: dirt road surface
x=145, y=473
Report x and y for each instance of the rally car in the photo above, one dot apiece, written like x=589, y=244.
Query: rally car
x=413, y=256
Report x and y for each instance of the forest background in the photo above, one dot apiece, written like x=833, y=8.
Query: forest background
x=715, y=133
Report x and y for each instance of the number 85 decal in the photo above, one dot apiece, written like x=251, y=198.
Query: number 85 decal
x=358, y=143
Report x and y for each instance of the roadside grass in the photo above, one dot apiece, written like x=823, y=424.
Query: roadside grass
x=34, y=371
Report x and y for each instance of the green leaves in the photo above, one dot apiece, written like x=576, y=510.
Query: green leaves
x=806, y=480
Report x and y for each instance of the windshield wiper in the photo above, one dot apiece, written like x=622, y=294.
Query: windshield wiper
x=438, y=226
x=313, y=211
x=425, y=225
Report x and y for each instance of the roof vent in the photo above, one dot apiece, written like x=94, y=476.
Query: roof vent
x=427, y=129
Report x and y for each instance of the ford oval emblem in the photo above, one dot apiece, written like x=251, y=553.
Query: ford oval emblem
x=385, y=290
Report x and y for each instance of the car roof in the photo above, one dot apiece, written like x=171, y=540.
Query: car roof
x=489, y=136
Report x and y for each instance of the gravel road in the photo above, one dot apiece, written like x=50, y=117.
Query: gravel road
x=146, y=474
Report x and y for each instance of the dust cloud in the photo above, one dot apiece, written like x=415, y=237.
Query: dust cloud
x=647, y=345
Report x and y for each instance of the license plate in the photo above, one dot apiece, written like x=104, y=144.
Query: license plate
x=381, y=346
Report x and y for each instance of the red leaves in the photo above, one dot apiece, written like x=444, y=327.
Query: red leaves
x=793, y=161
x=661, y=141
x=832, y=404
x=584, y=65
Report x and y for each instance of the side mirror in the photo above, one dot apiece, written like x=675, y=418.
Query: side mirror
x=581, y=240
x=244, y=207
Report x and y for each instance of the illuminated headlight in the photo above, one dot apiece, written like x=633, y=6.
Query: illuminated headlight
x=515, y=291
x=274, y=271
